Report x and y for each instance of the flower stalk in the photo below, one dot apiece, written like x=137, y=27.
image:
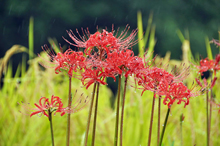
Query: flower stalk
x=207, y=116
x=151, y=120
x=158, y=123
x=68, y=115
x=95, y=115
x=89, y=116
x=210, y=109
x=117, y=112
x=164, y=127
x=51, y=126
x=181, y=128
x=122, y=112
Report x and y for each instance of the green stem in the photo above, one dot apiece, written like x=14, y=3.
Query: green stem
x=207, y=116
x=151, y=120
x=122, y=112
x=68, y=115
x=210, y=109
x=89, y=116
x=181, y=134
x=117, y=112
x=164, y=126
x=51, y=127
x=95, y=115
x=158, y=123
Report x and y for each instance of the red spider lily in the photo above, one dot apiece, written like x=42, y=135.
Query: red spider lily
x=150, y=78
x=54, y=105
x=91, y=76
x=69, y=60
x=207, y=64
x=134, y=66
x=179, y=92
x=120, y=61
x=164, y=84
x=103, y=40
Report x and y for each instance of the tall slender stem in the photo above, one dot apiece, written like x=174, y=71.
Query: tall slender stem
x=151, y=120
x=95, y=115
x=117, y=112
x=122, y=112
x=181, y=129
x=68, y=115
x=51, y=127
x=164, y=126
x=158, y=123
x=210, y=108
x=207, y=115
x=90, y=114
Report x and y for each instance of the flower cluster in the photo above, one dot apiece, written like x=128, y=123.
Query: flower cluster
x=106, y=56
x=165, y=84
x=104, y=40
x=69, y=60
x=208, y=64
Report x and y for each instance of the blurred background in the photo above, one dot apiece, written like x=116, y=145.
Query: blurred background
x=52, y=18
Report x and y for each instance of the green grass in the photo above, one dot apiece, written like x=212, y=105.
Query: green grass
x=20, y=129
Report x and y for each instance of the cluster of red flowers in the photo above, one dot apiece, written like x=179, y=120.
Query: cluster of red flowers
x=207, y=64
x=107, y=55
x=165, y=84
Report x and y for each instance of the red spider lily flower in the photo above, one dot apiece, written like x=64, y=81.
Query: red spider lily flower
x=75, y=61
x=177, y=92
x=150, y=78
x=207, y=64
x=103, y=40
x=69, y=60
x=45, y=105
x=120, y=61
x=55, y=105
x=165, y=84
x=91, y=76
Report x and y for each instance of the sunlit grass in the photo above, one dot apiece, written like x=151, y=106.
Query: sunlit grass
x=20, y=129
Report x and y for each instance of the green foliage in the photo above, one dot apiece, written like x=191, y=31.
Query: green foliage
x=31, y=38
x=19, y=129
x=208, y=48
x=149, y=35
